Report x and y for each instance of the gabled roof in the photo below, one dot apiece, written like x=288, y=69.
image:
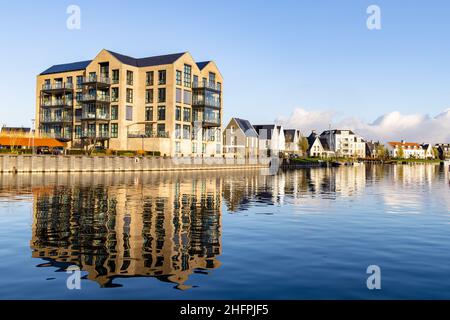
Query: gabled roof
x=149, y=61
x=336, y=131
x=75, y=66
x=202, y=64
x=269, y=129
x=406, y=144
x=246, y=127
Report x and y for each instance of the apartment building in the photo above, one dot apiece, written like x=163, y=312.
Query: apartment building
x=345, y=143
x=405, y=150
x=168, y=104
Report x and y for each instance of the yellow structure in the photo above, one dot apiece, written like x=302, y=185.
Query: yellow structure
x=168, y=104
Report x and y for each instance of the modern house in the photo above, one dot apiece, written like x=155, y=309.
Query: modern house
x=292, y=139
x=240, y=139
x=345, y=143
x=271, y=140
x=168, y=104
x=444, y=150
x=405, y=150
x=428, y=150
x=318, y=147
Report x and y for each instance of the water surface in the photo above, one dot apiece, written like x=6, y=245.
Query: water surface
x=304, y=234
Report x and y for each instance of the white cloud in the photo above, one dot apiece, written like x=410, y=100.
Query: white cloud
x=391, y=126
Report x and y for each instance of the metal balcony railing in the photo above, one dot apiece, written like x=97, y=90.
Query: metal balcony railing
x=56, y=119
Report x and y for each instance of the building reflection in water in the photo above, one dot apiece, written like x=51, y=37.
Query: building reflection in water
x=166, y=228
x=168, y=225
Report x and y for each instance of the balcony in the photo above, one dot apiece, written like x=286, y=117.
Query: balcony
x=57, y=87
x=95, y=116
x=56, y=119
x=96, y=81
x=146, y=135
x=62, y=136
x=207, y=85
x=57, y=103
x=100, y=135
x=95, y=98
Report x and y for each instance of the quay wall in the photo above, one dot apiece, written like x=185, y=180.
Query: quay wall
x=60, y=163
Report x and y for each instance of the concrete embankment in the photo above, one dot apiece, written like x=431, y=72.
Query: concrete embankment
x=47, y=163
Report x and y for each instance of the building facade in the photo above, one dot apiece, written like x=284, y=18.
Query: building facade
x=292, y=139
x=240, y=139
x=405, y=150
x=168, y=104
x=345, y=143
x=271, y=140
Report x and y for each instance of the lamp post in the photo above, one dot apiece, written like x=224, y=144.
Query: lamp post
x=32, y=132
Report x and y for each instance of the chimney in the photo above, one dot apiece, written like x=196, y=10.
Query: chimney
x=403, y=141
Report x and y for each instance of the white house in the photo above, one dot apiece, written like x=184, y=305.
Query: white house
x=292, y=139
x=345, y=143
x=410, y=150
x=271, y=139
x=318, y=147
x=428, y=150
x=240, y=139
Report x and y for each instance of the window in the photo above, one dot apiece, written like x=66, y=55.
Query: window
x=129, y=115
x=114, y=130
x=70, y=80
x=149, y=96
x=212, y=78
x=114, y=112
x=186, y=114
x=178, y=131
x=178, y=78
x=161, y=130
x=194, y=147
x=149, y=114
x=115, y=76
x=149, y=78
x=162, y=95
x=219, y=86
x=177, y=147
x=187, y=75
x=195, y=82
x=178, y=114
x=130, y=78
x=162, y=77
x=115, y=94
x=195, y=114
x=178, y=95
x=77, y=132
x=79, y=81
x=203, y=147
x=79, y=97
x=187, y=97
x=161, y=113
x=130, y=95
x=186, y=132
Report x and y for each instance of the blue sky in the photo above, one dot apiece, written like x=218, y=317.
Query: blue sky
x=275, y=56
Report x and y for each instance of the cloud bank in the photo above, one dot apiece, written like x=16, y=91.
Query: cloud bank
x=388, y=127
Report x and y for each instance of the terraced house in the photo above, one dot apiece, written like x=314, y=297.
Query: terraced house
x=168, y=104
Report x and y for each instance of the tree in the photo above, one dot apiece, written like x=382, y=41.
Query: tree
x=304, y=145
x=436, y=153
x=400, y=153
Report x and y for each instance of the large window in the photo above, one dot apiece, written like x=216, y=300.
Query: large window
x=178, y=95
x=186, y=114
x=161, y=130
x=187, y=97
x=149, y=78
x=162, y=77
x=129, y=95
x=178, y=78
x=161, y=113
x=114, y=130
x=114, y=112
x=162, y=95
x=212, y=78
x=149, y=114
x=178, y=114
x=129, y=114
x=186, y=132
x=149, y=96
x=178, y=131
x=115, y=94
x=115, y=76
x=187, y=75
x=77, y=132
x=130, y=78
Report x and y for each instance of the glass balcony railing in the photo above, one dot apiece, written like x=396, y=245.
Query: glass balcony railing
x=94, y=97
x=207, y=85
x=57, y=86
x=57, y=103
x=96, y=79
x=95, y=116
x=56, y=119
x=145, y=135
x=95, y=134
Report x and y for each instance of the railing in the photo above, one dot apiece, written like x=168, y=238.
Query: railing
x=95, y=135
x=95, y=116
x=207, y=85
x=57, y=86
x=96, y=79
x=209, y=102
x=58, y=136
x=57, y=103
x=56, y=119
x=92, y=97
x=152, y=134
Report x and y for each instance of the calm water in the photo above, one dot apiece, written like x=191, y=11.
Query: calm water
x=305, y=234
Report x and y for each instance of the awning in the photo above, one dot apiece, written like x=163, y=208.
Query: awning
x=30, y=141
